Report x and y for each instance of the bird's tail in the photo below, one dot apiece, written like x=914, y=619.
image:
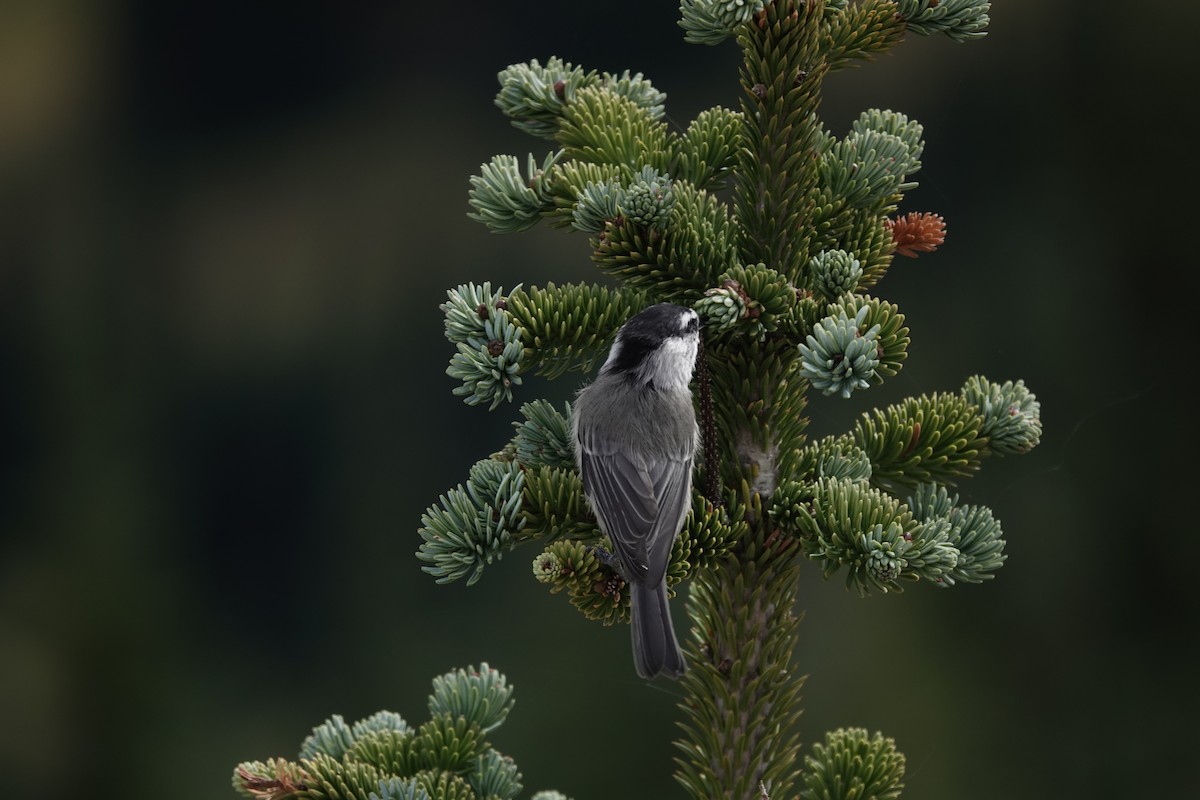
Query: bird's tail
x=655, y=648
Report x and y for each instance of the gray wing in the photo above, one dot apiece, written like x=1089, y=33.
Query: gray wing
x=640, y=505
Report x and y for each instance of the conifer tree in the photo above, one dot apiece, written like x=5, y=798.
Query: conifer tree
x=783, y=276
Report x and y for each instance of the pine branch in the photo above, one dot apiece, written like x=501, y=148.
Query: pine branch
x=749, y=301
x=742, y=702
x=569, y=327
x=381, y=758
x=849, y=764
x=544, y=438
x=473, y=525
x=274, y=779
x=873, y=242
x=961, y=20
x=931, y=438
x=783, y=138
x=891, y=335
x=507, y=202
x=862, y=529
x=592, y=586
x=863, y=178
x=708, y=148
x=602, y=127
x=536, y=97
x=334, y=779
x=554, y=506
x=713, y=21
x=489, y=343
x=482, y=696
x=862, y=31
x=831, y=457
x=569, y=180
x=573, y=564
x=1011, y=414
x=840, y=355
x=973, y=531
x=678, y=265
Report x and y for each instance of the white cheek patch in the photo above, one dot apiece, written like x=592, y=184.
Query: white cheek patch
x=671, y=366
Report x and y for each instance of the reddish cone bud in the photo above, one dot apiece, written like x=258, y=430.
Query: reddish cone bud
x=917, y=233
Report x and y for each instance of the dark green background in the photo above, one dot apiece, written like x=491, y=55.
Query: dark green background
x=225, y=229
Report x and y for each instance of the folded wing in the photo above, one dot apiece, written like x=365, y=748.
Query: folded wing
x=640, y=505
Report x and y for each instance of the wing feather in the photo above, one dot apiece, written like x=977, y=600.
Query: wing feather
x=639, y=505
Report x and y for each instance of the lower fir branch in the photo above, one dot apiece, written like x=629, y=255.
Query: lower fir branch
x=851, y=764
x=742, y=698
x=592, y=586
x=382, y=758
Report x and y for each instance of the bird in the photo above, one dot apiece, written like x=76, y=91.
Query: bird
x=635, y=438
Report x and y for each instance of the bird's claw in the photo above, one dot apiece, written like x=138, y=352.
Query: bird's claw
x=604, y=557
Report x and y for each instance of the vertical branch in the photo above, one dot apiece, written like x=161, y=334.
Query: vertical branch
x=781, y=78
x=742, y=700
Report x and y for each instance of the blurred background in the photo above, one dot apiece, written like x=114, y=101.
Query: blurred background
x=225, y=229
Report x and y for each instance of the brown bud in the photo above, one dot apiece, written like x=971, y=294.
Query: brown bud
x=759, y=90
x=495, y=347
x=502, y=304
x=482, y=310
x=560, y=89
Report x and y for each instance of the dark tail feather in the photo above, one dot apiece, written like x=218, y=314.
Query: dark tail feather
x=655, y=649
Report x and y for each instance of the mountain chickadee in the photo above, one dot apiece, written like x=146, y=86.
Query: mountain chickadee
x=635, y=440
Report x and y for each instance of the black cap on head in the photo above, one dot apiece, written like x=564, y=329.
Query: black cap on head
x=648, y=329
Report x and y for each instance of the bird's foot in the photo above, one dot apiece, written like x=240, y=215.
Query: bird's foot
x=605, y=557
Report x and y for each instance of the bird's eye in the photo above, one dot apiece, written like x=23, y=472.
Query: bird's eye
x=693, y=324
